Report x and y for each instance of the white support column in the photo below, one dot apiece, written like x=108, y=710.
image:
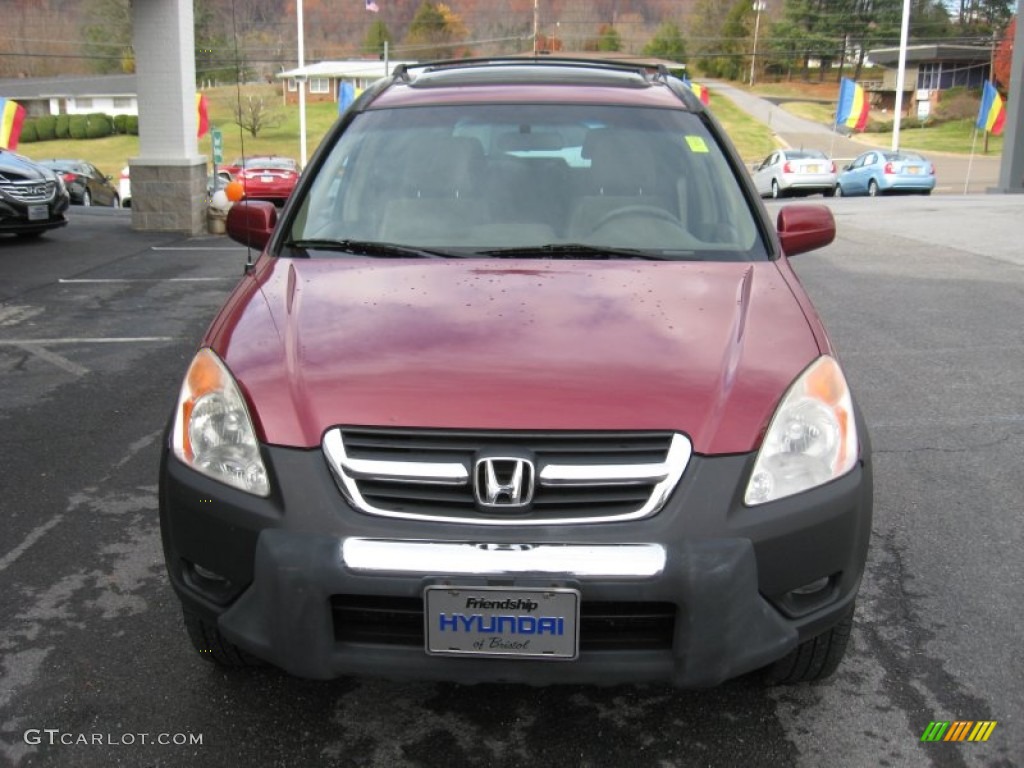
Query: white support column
x=169, y=175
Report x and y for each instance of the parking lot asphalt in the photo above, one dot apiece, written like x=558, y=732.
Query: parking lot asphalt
x=923, y=298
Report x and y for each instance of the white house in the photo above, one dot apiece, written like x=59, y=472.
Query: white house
x=74, y=95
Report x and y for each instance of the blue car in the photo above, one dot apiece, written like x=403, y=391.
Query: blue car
x=878, y=172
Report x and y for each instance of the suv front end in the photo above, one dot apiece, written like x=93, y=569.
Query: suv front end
x=522, y=389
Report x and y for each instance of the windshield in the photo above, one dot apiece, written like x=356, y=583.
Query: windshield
x=568, y=179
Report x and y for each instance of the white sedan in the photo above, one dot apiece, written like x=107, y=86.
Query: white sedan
x=792, y=172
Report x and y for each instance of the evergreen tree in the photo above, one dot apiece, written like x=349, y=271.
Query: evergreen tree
x=609, y=39
x=667, y=43
x=376, y=36
x=428, y=36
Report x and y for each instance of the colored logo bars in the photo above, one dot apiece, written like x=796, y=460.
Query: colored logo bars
x=960, y=730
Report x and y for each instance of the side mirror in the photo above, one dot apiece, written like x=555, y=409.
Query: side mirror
x=252, y=222
x=848, y=167
x=803, y=228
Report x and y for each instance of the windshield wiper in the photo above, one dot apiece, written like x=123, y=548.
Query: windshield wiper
x=369, y=248
x=571, y=251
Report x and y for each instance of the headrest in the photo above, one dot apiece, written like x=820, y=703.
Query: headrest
x=441, y=166
x=619, y=162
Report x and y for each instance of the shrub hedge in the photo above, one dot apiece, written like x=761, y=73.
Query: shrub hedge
x=95, y=125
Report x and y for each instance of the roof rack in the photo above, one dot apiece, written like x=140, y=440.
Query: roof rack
x=540, y=68
x=535, y=58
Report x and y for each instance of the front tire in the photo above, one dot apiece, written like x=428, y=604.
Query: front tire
x=211, y=645
x=86, y=198
x=814, y=659
x=776, y=192
x=873, y=190
x=838, y=191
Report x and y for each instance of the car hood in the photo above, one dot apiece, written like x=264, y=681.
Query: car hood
x=17, y=168
x=707, y=349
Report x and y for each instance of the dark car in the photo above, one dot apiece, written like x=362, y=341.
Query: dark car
x=522, y=388
x=86, y=184
x=877, y=172
x=33, y=198
x=265, y=178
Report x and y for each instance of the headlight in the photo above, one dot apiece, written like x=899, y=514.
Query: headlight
x=812, y=438
x=213, y=433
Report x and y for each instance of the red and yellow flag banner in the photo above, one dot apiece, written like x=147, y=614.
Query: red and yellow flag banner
x=202, y=116
x=12, y=115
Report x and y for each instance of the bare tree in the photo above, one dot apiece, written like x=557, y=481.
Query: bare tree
x=253, y=113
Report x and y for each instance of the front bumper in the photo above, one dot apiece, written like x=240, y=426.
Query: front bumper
x=14, y=218
x=307, y=583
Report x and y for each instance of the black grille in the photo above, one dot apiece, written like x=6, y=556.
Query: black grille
x=563, y=502
x=604, y=626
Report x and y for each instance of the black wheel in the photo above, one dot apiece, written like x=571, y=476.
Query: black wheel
x=830, y=192
x=814, y=659
x=873, y=190
x=776, y=192
x=211, y=645
x=926, y=192
x=838, y=191
x=30, y=235
x=86, y=198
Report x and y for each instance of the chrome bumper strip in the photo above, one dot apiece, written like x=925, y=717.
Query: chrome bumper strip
x=454, y=558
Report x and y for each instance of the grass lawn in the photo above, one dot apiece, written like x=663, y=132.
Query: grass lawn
x=111, y=154
x=955, y=136
x=753, y=140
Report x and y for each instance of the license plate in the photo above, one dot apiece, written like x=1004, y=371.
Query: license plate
x=814, y=169
x=913, y=170
x=38, y=212
x=266, y=179
x=497, y=621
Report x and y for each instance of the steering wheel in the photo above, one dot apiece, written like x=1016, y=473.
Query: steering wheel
x=639, y=211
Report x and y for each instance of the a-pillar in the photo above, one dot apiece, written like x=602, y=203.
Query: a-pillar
x=1011, y=169
x=169, y=176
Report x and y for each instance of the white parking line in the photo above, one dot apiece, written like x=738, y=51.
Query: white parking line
x=33, y=536
x=146, y=279
x=65, y=340
x=13, y=314
x=197, y=248
x=54, y=359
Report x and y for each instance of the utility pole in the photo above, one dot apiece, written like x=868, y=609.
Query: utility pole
x=759, y=5
x=901, y=74
x=302, y=85
x=536, y=24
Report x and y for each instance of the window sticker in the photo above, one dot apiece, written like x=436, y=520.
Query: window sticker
x=696, y=144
